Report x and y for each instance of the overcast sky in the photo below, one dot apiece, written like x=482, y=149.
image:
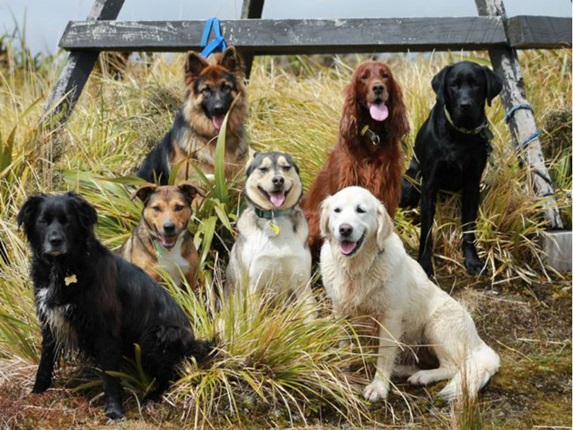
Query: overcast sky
x=45, y=20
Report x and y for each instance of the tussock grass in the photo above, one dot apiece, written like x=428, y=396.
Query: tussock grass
x=271, y=362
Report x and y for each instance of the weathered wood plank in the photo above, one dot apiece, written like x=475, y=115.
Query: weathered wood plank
x=539, y=32
x=309, y=36
x=521, y=122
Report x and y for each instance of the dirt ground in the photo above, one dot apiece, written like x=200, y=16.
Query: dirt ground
x=529, y=326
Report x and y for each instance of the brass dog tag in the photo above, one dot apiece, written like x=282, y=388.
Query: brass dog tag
x=274, y=228
x=71, y=279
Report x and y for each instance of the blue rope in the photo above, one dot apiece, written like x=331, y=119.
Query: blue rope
x=533, y=136
x=215, y=25
x=509, y=114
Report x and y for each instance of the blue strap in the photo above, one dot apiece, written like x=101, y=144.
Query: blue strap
x=509, y=114
x=215, y=25
x=533, y=136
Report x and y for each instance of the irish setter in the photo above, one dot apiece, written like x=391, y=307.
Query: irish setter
x=369, y=149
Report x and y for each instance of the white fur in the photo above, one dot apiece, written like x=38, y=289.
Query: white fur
x=172, y=261
x=278, y=262
x=63, y=332
x=380, y=280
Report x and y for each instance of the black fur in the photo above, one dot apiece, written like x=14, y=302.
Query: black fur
x=106, y=303
x=449, y=159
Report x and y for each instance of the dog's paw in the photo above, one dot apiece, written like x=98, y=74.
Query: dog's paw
x=40, y=386
x=474, y=266
x=420, y=378
x=376, y=390
x=113, y=411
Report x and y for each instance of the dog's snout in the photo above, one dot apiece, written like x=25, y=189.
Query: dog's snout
x=465, y=105
x=378, y=88
x=278, y=181
x=169, y=227
x=56, y=240
x=345, y=230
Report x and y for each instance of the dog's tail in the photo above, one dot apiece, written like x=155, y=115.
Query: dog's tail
x=411, y=185
x=476, y=371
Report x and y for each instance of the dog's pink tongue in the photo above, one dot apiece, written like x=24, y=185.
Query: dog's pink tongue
x=346, y=247
x=277, y=199
x=218, y=122
x=379, y=112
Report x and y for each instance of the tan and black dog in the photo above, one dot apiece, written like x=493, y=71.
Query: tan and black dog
x=271, y=250
x=214, y=89
x=161, y=241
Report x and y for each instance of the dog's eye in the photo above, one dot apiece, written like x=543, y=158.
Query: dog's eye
x=156, y=208
x=263, y=169
x=360, y=210
x=364, y=77
x=206, y=91
x=385, y=75
x=286, y=168
x=337, y=210
x=178, y=208
x=225, y=88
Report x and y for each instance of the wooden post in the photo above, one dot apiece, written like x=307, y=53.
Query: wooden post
x=521, y=121
x=252, y=9
x=76, y=71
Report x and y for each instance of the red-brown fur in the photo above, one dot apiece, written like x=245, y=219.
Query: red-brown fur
x=356, y=160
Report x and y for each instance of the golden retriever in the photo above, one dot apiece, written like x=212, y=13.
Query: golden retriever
x=367, y=273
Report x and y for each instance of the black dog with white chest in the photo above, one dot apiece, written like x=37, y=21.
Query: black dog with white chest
x=451, y=152
x=90, y=299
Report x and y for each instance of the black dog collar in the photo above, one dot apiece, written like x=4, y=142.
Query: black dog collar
x=374, y=137
x=483, y=130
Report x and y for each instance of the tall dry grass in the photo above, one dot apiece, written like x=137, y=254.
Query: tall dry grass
x=269, y=362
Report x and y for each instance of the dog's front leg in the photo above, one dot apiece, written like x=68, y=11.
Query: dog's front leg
x=390, y=332
x=470, y=204
x=47, y=361
x=109, y=358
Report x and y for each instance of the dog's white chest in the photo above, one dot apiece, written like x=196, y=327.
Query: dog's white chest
x=54, y=316
x=275, y=252
x=171, y=261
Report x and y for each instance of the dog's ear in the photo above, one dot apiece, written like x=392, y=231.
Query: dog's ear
x=232, y=61
x=385, y=225
x=194, y=65
x=190, y=191
x=251, y=162
x=494, y=84
x=324, y=222
x=86, y=212
x=144, y=192
x=438, y=84
x=28, y=212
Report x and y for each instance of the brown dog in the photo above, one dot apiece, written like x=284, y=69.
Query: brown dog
x=369, y=149
x=161, y=241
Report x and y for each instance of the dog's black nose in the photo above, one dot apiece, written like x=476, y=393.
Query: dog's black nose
x=377, y=88
x=168, y=227
x=345, y=230
x=219, y=109
x=465, y=105
x=278, y=180
x=56, y=241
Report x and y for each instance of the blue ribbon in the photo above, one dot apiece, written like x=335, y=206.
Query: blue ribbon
x=215, y=25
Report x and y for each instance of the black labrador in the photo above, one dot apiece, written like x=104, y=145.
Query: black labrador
x=93, y=300
x=451, y=152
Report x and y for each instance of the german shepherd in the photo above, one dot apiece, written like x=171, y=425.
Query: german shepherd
x=213, y=89
x=161, y=241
